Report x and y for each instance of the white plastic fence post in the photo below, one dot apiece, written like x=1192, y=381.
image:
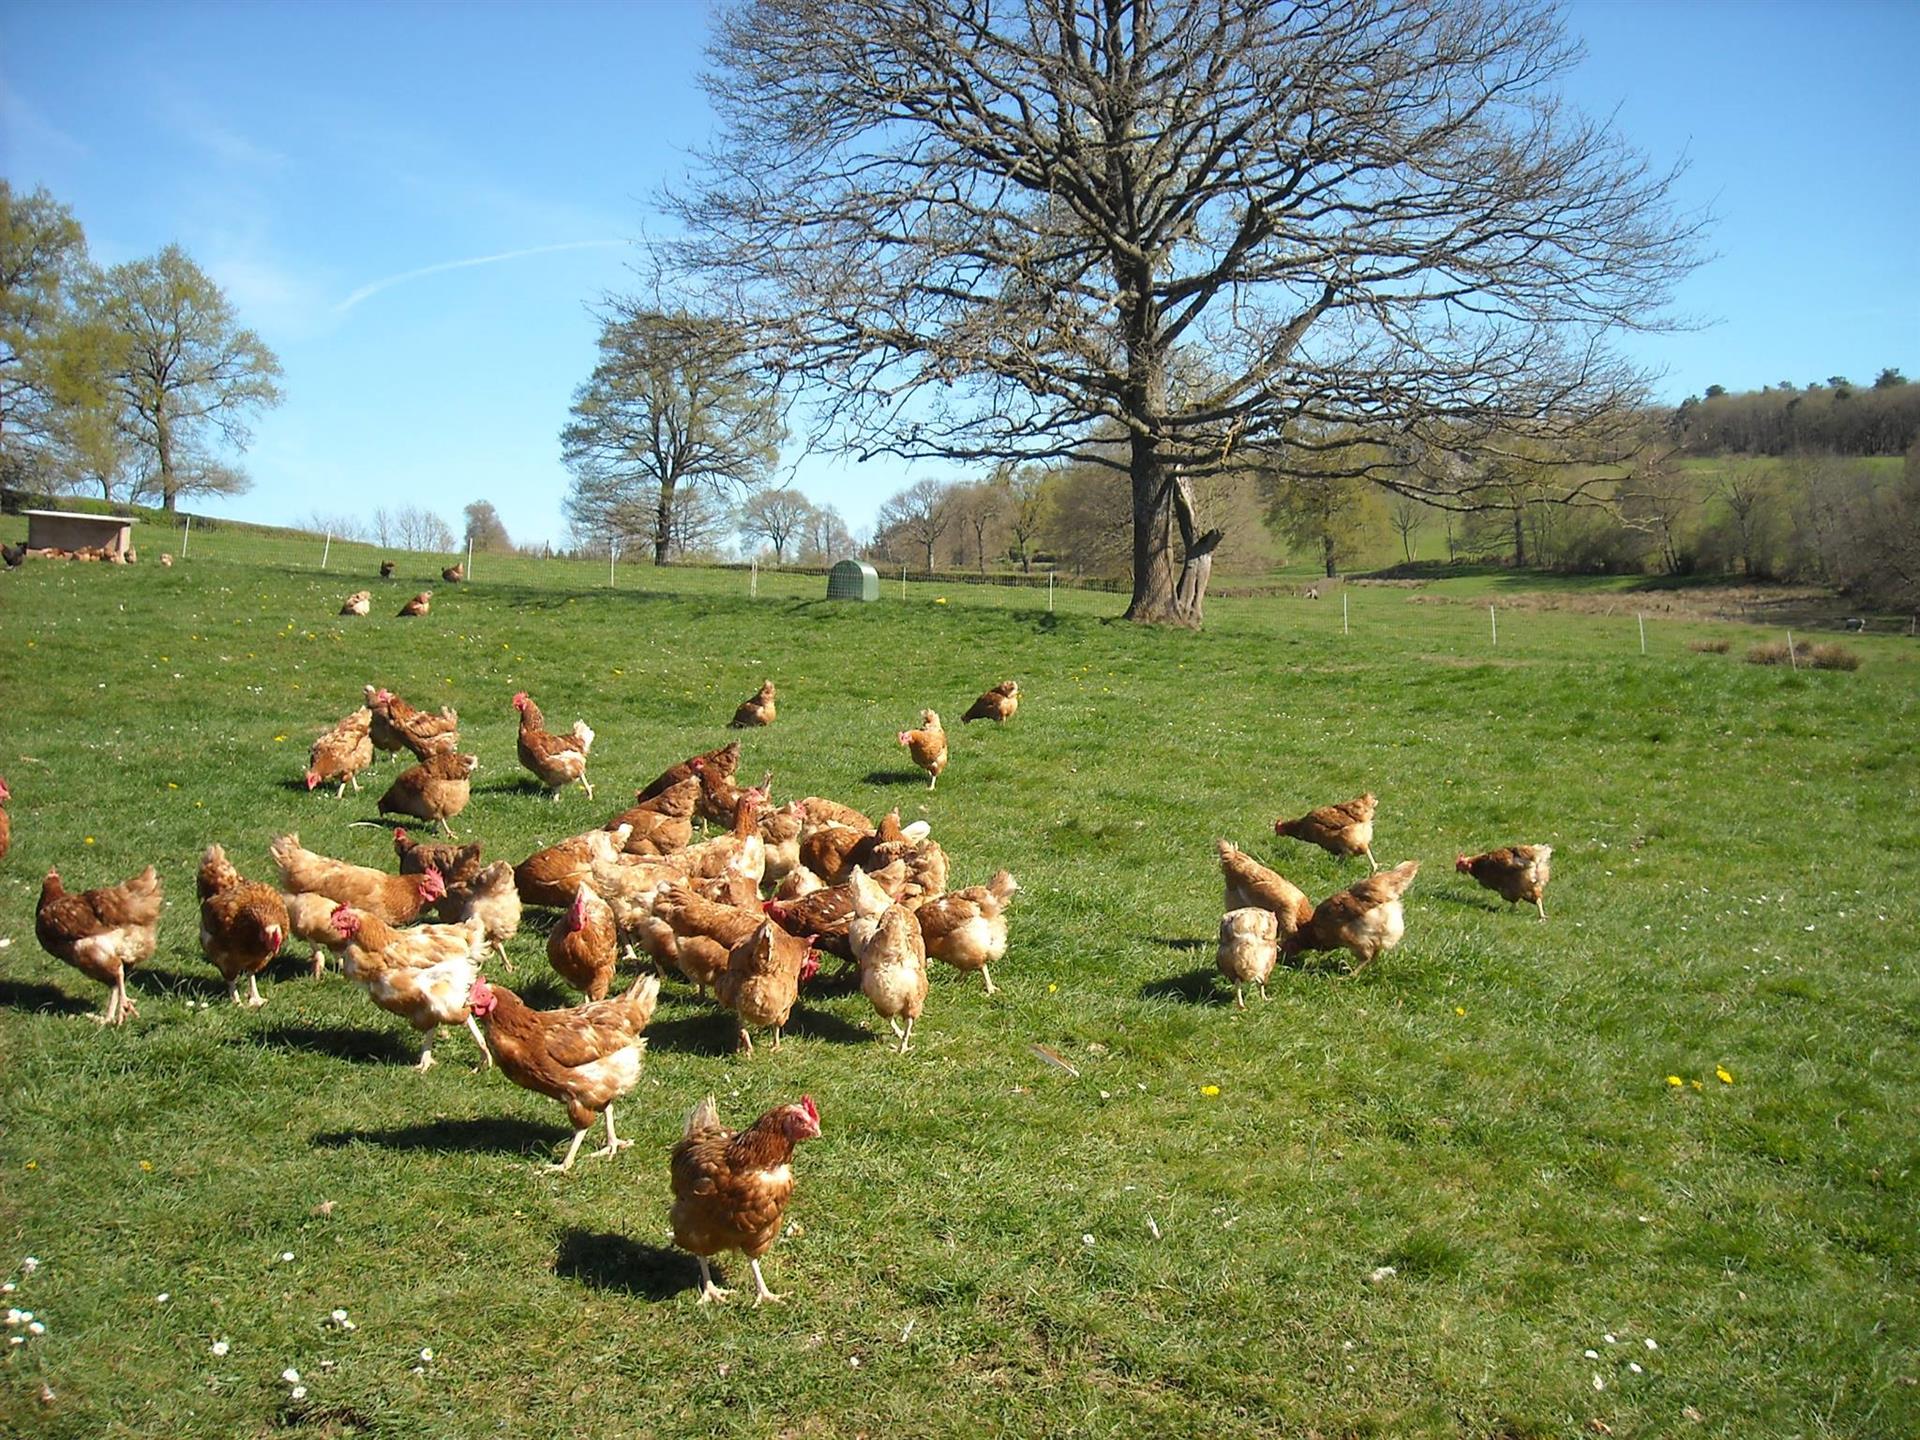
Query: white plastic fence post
x=185, y=536
x=1643, y=633
x=1049, y=592
x=1343, y=612
x=326, y=550
x=1792, y=659
x=611, y=547
x=469, y=557
x=1494, y=621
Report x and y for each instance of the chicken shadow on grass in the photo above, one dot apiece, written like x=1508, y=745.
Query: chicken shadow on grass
x=488, y=1134
x=342, y=1042
x=822, y=1025
x=1196, y=987
x=704, y=1032
x=894, y=777
x=171, y=985
x=613, y=1262
x=29, y=996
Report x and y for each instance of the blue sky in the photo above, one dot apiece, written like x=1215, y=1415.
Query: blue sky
x=418, y=204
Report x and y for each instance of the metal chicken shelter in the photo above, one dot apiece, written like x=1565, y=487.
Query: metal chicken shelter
x=851, y=580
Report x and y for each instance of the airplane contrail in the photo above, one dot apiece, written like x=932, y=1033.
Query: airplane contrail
x=376, y=286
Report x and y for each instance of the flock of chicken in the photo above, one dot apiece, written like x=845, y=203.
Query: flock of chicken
x=1267, y=916
x=872, y=893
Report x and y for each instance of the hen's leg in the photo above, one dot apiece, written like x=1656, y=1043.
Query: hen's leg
x=572, y=1150
x=341, y=793
x=233, y=991
x=254, y=998
x=587, y=785
x=709, y=1290
x=614, y=1144
x=776, y=1037
x=127, y=1007
x=449, y=829
x=1239, y=1000
x=319, y=962
x=988, y=978
x=746, y=1041
x=1540, y=905
x=1373, y=865
x=426, y=1051
x=486, y=1055
x=895, y=1023
x=907, y=1039
x=761, y=1292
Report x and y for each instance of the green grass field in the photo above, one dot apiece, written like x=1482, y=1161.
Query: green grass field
x=1179, y=1240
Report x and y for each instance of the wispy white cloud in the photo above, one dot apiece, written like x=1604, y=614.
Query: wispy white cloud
x=26, y=132
x=388, y=282
x=194, y=121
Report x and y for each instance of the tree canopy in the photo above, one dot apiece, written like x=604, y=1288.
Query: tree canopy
x=671, y=407
x=185, y=371
x=1014, y=231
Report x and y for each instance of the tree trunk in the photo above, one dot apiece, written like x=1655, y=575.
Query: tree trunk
x=1162, y=594
x=163, y=452
x=1326, y=554
x=1519, y=538
x=663, y=523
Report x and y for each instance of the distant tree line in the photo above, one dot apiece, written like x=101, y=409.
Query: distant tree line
x=1830, y=417
x=137, y=380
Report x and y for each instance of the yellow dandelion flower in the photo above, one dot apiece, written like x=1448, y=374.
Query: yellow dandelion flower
x=1675, y=1081
x=1209, y=1089
x=1459, y=1009
x=171, y=785
x=89, y=839
x=1726, y=1075
x=278, y=738
x=1698, y=1085
x=147, y=1165
x=1052, y=988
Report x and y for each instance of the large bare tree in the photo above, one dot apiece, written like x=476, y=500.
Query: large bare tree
x=919, y=514
x=777, y=517
x=672, y=407
x=1015, y=229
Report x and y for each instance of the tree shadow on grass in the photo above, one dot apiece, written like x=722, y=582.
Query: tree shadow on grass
x=1182, y=942
x=360, y=1047
x=613, y=1262
x=1196, y=987
x=490, y=1134
x=48, y=999
x=894, y=777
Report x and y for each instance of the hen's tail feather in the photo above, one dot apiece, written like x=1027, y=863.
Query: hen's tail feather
x=703, y=1119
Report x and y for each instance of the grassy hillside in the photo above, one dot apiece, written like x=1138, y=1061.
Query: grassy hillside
x=1179, y=1240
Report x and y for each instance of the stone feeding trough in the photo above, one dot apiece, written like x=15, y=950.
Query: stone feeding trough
x=70, y=534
